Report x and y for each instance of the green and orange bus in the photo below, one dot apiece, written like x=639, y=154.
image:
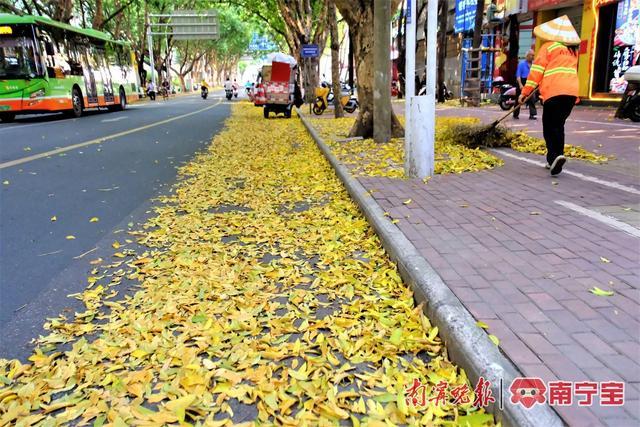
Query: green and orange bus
x=48, y=66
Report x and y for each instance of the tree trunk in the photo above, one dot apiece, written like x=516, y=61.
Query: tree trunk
x=63, y=11
x=477, y=28
x=98, y=16
x=350, y=60
x=401, y=38
x=359, y=16
x=335, y=60
x=308, y=68
x=381, y=70
x=442, y=46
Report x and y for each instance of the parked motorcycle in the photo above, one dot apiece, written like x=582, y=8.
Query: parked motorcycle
x=204, y=92
x=229, y=94
x=507, y=93
x=324, y=96
x=629, y=107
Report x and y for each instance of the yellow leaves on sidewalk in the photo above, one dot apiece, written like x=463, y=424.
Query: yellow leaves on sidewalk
x=367, y=158
x=262, y=285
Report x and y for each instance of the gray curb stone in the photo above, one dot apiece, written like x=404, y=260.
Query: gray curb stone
x=468, y=345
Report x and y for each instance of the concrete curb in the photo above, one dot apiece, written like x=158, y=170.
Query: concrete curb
x=468, y=345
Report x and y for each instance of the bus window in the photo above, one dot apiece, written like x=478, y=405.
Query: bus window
x=48, y=51
x=73, y=56
x=18, y=58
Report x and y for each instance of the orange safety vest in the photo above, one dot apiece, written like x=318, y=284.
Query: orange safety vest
x=555, y=70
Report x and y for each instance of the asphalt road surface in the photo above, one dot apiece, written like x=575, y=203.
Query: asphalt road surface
x=105, y=165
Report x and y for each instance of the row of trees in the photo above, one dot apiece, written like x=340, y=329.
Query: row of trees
x=290, y=23
x=128, y=19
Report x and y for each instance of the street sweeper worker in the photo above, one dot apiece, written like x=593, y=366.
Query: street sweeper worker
x=554, y=73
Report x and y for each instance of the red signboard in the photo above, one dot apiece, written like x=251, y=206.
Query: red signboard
x=547, y=4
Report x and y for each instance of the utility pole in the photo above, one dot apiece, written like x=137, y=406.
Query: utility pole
x=381, y=71
x=420, y=110
x=151, y=60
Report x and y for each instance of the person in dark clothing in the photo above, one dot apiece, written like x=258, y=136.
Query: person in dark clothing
x=522, y=73
x=555, y=73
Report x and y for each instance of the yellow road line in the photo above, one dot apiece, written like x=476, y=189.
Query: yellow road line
x=100, y=140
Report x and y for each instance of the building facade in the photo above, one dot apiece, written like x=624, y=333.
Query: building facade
x=609, y=31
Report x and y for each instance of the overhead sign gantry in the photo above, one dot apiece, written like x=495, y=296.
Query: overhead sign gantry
x=181, y=25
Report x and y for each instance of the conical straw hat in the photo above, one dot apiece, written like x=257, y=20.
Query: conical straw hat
x=558, y=30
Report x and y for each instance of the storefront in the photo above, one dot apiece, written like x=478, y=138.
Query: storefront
x=615, y=47
x=546, y=10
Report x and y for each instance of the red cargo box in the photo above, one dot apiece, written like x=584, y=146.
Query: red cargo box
x=280, y=72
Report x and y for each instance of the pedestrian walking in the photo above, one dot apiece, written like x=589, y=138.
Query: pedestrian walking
x=151, y=90
x=554, y=72
x=522, y=73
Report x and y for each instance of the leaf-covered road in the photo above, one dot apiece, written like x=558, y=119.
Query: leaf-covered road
x=264, y=297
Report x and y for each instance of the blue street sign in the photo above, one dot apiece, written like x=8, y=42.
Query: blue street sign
x=408, y=15
x=261, y=43
x=310, y=51
x=465, y=15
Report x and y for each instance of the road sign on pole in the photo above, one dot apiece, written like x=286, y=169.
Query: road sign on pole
x=310, y=51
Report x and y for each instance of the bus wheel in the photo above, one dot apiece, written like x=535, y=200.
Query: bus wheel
x=7, y=117
x=123, y=100
x=76, y=100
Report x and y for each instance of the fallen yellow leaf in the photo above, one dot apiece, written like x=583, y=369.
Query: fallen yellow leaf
x=601, y=292
x=494, y=339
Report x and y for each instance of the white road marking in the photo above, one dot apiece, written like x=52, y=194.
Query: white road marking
x=626, y=125
x=589, y=131
x=100, y=140
x=610, y=184
x=610, y=221
x=622, y=137
x=114, y=119
x=605, y=123
x=19, y=126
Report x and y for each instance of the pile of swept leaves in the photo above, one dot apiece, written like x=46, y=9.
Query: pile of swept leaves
x=364, y=157
x=473, y=134
x=458, y=148
x=264, y=298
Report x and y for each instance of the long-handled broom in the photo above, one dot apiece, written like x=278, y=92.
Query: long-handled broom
x=482, y=136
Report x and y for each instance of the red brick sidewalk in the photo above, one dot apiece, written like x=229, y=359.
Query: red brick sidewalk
x=512, y=247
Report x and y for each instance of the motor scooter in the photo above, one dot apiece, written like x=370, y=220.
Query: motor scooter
x=629, y=107
x=204, y=92
x=324, y=95
x=507, y=93
x=229, y=94
x=235, y=92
